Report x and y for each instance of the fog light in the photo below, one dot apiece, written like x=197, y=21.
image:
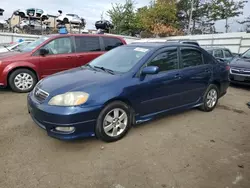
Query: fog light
x=65, y=129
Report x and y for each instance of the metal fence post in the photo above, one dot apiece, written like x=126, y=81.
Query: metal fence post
x=240, y=45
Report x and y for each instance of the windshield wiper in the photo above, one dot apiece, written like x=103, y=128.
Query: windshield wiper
x=88, y=65
x=6, y=48
x=105, y=69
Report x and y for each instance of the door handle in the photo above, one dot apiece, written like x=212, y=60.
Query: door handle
x=177, y=76
x=79, y=56
x=207, y=70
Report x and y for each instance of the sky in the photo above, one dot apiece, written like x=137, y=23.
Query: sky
x=91, y=10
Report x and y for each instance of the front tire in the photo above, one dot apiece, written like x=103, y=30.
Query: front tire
x=113, y=122
x=210, y=98
x=22, y=80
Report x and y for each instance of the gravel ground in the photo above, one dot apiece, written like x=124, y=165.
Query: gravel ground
x=192, y=149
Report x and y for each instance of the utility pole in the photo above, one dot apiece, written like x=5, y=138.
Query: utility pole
x=190, y=17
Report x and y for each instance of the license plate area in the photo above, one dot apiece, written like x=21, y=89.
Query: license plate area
x=239, y=78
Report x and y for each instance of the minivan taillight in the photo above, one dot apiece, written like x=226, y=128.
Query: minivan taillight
x=228, y=67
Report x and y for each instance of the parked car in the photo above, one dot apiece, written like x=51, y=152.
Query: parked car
x=127, y=85
x=4, y=25
x=221, y=53
x=104, y=25
x=184, y=41
x=33, y=25
x=240, y=69
x=70, y=18
x=15, y=46
x=32, y=12
x=51, y=54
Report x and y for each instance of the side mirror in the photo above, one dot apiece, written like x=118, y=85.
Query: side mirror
x=150, y=70
x=43, y=51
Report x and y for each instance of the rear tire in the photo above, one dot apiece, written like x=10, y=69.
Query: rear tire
x=22, y=80
x=113, y=122
x=210, y=98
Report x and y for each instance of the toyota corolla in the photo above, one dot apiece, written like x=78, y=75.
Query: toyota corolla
x=126, y=86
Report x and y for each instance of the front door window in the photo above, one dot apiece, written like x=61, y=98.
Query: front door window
x=59, y=46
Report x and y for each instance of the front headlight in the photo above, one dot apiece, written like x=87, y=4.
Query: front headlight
x=69, y=99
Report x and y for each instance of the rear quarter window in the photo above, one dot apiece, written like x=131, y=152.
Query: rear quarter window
x=110, y=43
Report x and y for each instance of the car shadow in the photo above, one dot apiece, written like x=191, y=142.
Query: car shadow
x=5, y=89
x=238, y=86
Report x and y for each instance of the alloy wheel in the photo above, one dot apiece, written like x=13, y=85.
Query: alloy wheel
x=115, y=122
x=23, y=81
x=212, y=98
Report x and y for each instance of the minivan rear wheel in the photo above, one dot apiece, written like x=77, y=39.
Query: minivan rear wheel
x=210, y=98
x=22, y=80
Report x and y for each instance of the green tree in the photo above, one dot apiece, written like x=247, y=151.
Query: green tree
x=123, y=17
x=159, y=17
x=225, y=9
x=200, y=12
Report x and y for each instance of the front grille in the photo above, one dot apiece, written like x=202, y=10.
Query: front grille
x=40, y=94
x=240, y=71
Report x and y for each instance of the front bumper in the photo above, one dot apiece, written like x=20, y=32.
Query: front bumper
x=243, y=79
x=83, y=119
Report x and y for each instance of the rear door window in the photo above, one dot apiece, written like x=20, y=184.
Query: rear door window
x=110, y=43
x=191, y=57
x=87, y=44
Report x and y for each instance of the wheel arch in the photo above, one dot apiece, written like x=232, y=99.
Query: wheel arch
x=21, y=67
x=127, y=102
x=218, y=84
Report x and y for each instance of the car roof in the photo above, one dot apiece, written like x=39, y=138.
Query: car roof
x=69, y=34
x=215, y=48
x=181, y=40
x=157, y=45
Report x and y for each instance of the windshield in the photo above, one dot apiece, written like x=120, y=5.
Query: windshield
x=246, y=54
x=120, y=59
x=31, y=46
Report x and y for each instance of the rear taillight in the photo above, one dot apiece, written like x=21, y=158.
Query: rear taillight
x=228, y=67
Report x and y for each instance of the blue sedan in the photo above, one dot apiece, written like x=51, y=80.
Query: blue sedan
x=128, y=85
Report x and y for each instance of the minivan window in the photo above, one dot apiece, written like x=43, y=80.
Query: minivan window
x=167, y=60
x=87, y=44
x=59, y=46
x=191, y=57
x=31, y=46
x=110, y=43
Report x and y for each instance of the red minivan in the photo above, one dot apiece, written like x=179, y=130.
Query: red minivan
x=51, y=54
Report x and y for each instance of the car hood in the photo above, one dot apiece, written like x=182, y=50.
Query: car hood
x=240, y=63
x=78, y=79
x=6, y=55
